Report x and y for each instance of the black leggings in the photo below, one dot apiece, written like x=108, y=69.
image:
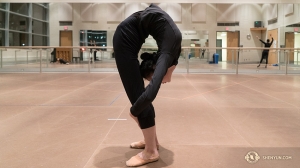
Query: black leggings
x=134, y=86
x=126, y=56
x=265, y=55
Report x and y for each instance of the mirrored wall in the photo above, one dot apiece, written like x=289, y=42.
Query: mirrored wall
x=209, y=31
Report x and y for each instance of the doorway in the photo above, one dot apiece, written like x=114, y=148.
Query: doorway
x=232, y=41
x=290, y=43
x=227, y=39
x=65, y=39
x=221, y=42
x=273, y=58
x=219, y=51
x=297, y=45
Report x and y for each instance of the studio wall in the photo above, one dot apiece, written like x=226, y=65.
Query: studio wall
x=188, y=16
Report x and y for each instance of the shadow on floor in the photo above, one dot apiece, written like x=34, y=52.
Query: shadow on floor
x=115, y=157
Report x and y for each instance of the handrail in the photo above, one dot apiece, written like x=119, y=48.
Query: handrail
x=236, y=54
x=110, y=47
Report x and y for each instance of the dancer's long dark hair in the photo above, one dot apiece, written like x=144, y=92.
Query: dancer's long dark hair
x=148, y=64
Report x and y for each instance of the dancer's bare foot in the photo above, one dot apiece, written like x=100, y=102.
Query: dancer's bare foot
x=142, y=158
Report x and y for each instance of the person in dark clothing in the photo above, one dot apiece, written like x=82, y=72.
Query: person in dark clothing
x=265, y=53
x=203, y=51
x=53, y=56
x=62, y=61
x=95, y=52
x=93, y=43
x=155, y=67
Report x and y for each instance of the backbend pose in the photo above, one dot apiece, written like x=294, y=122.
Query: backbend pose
x=265, y=53
x=156, y=68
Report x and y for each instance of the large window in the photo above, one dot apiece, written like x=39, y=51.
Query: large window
x=2, y=5
x=39, y=12
x=2, y=19
x=18, y=39
x=39, y=27
x=21, y=8
x=2, y=38
x=19, y=23
x=39, y=40
x=27, y=24
x=91, y=37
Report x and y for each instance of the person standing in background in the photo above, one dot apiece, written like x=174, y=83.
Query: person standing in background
x=265, y=53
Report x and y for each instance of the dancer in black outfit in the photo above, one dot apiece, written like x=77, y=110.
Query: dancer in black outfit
x=157, y=68
x=265, y=53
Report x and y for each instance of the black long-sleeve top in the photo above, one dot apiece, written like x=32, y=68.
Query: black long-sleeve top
x=267, y=45
x=152, y=21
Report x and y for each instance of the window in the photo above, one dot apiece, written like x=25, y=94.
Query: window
x=39, y=40
x=39, y=12
x=2, y=19
x=19, y=23
x=27, y=24
x=18, y=39
x=100, y=37
x=89, y=36
x=21, y=8
x=39, y=27
x=2, y=38
x=2, y=5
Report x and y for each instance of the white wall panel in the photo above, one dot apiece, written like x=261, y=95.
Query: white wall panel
x=198, y=12
x=163, y=6
x=272, y=11
x=131, y=8
x=226, y=13
x=174, y=10
x=86, y=12
x=115, y=12
x=144, y=5
x=288, y=9
x=99, y=12
x=64, y=11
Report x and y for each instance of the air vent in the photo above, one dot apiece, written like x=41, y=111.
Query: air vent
x=272, y=21
x=229, y=24
x=65, y=23
x=294, y=25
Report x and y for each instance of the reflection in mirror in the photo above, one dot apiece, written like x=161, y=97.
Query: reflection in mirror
x=290, y=31
x=292, y=40
x=193, y=38
x=190, y=38
x=93, y=38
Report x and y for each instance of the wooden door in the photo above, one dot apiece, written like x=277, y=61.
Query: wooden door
x=273, y=55
x=232, y=41
x=65, y=40
x=197, y=50
x=290, y=43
